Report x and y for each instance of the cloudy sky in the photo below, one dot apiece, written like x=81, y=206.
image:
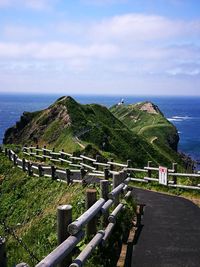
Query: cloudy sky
x=100, y=46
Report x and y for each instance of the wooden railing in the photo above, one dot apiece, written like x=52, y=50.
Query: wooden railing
x=92, y=170
x=89, y=217
x=94, y=165
x=70, y=233
x=172, y=177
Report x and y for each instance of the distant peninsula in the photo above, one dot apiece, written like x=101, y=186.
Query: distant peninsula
x=139, y=132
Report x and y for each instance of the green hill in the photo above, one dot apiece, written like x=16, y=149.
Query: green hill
x=146, y=120
x=69, y=125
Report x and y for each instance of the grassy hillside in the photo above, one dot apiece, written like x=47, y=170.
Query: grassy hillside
x=28, y=212
x=147, y=121
x=72, y=126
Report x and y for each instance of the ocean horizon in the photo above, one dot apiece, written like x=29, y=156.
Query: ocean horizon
x=182, y=111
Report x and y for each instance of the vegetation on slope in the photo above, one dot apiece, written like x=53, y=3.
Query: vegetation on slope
x=146, y=120
x=28, y=217
x=28, y=212
x=67, y=124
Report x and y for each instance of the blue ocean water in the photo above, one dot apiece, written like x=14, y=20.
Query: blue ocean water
x=183, y=112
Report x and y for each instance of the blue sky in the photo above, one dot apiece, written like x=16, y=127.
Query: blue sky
x=130, y=47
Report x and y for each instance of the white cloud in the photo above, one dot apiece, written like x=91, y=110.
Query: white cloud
x=140, y=27
x=71, y=28
x=15, y=32
x=56, y=50
x=187, y=68
x=181, y=71
x=127, y=49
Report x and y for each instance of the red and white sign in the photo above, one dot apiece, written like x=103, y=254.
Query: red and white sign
x=163, y=172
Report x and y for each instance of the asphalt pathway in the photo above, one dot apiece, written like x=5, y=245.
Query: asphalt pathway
x=169, y=235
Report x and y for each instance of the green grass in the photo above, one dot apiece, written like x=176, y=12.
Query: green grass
x=28, y=208
x=143, y=123
x=28, y=217
x=154, y=128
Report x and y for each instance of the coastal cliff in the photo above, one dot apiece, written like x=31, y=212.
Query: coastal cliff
x=139, y=132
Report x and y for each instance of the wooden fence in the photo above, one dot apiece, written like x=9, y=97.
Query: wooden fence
x=172, y=176
x=85, y=169
x=94, y=210
x=70, y=233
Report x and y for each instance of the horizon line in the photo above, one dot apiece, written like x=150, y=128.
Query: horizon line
x=97, y=94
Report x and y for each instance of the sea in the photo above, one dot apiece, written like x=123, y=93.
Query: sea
x=183, y=112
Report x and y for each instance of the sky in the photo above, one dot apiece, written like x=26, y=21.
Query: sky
x=130, y=47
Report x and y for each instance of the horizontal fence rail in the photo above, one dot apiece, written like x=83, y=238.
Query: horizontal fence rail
x=76, y=228
x=84, y=169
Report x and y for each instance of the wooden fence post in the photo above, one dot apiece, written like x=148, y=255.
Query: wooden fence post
x=64, y=218
x=9, y=155
x=6, y=151
x=44, y=153
x=106, y=173
x=24, y=164
x=29, y=168
x=122, y=176
x=104, y=189
x=149, y=171
x=97, y=160
x=40, y=170
x=116, y=182
x=91, y=198
x=174, y=167
x=68, y=174
x=61, y=156
x=111, y=166
x=3, y=261
x=128, y=163
x=149, y=163
x=14, y=159
x=53, y=172
x=83, y=173
x=37, y=152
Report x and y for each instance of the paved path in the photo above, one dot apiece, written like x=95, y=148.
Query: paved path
x=170, y=232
